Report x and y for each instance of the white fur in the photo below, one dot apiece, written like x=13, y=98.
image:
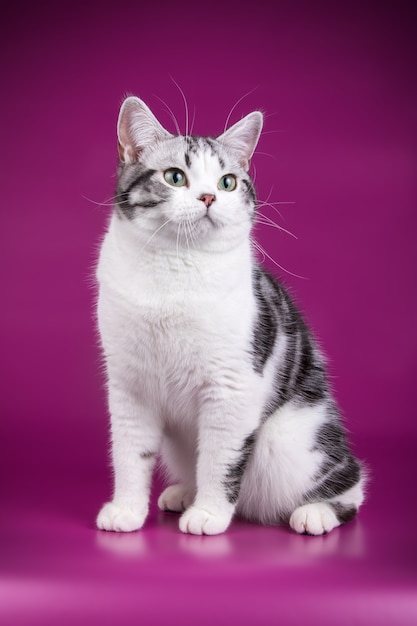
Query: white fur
x=176, y=313
x=244, y=136
x=176, y=498
x=137, y=127
x=283, y=466
x=315, y=519
x=176, y=339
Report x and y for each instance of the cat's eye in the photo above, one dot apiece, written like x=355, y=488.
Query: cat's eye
x=227, y=182
x=175, y=177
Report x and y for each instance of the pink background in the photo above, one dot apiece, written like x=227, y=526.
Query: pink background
x=337, y=82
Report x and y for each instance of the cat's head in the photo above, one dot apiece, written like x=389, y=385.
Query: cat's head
x=179, y=190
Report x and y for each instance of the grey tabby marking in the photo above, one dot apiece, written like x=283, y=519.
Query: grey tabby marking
x=299, y=376
x=196, y=144
x=235, y=472
x=153, y=193
x=302, y=374
x=266, y=326
x=340, y=470
x=343, y=513
x=250, y=190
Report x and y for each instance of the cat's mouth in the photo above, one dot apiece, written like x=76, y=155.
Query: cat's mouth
x=199, y=223
x=203, y=217
x=208, y=217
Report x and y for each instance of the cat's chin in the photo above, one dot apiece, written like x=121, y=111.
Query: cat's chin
x=209, y=233
x=205, y=235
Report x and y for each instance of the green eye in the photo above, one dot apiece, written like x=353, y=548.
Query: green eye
x=175, y=177
x=227, y=182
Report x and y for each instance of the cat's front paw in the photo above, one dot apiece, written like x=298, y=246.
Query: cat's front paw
x=176, y=498
x=120, y=519
x=314, y=519
x=199, y=521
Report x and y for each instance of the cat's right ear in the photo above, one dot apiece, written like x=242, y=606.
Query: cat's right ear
x=137, y=127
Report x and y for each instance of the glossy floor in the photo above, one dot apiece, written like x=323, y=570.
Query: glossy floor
x=56, y=568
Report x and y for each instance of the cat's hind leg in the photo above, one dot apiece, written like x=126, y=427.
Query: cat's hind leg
x=317, y=518
x=302, y=471
x=176, y=498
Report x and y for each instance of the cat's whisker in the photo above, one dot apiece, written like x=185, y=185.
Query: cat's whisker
x=192, y=237
x=270, y=132
x=188, y=236
x=185, y=104
x=174, y=119
x=235, y=105
x=266, y=202
x=261, y=205
x=266, y=221
x=273, y=156
x=178, y=239
x=187, y=233
x=260, y=250
x=153, y=235
x=192, y=122
x=274, y=203
x=269, y=194
x=273, y=206
x=265, y=254
x=104, y=203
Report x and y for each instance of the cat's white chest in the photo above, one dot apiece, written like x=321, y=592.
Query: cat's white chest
x=161, y=351
x=168, y=330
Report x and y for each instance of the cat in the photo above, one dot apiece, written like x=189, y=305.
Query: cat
x=210, y=365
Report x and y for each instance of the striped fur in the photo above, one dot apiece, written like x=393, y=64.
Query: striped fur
x=210, y=365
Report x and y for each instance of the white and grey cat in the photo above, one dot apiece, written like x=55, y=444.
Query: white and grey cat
x=210, y=365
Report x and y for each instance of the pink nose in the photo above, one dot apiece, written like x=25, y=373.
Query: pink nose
x=207, y=198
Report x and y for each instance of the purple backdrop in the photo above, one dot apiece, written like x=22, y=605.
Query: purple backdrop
x=337, y=83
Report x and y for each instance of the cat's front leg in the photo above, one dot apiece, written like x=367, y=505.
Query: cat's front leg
x=135, y=440
x=225, y=445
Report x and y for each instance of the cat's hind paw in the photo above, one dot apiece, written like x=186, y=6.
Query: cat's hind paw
x=314, y=519
x=120, y=519
x=176, y=498
x=199, y=521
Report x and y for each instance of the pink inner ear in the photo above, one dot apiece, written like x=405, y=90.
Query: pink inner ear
x=128, y=154
x=126, y=147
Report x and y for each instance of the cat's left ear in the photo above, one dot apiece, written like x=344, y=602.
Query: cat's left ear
x=137, y=127
x=243, y=137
